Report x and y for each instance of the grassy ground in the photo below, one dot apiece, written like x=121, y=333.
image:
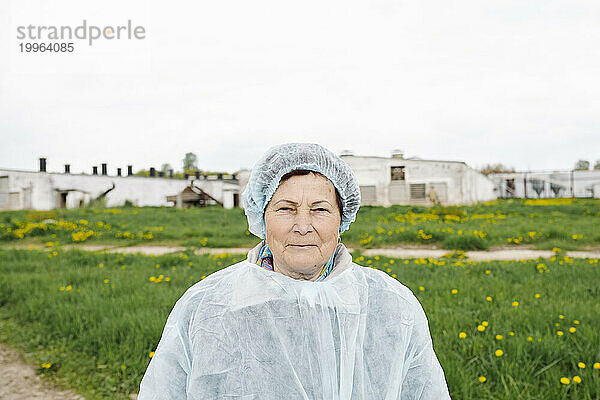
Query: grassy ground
x=90, y=320
x=545, y=224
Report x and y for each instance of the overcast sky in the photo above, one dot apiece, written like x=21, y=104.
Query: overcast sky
x=506, y=81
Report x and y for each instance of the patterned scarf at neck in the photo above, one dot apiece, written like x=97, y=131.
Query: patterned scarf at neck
x=265, y=260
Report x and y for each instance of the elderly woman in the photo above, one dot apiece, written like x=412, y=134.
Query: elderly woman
x=297, y=319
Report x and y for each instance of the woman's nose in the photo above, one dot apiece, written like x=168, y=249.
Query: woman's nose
x=303, y=224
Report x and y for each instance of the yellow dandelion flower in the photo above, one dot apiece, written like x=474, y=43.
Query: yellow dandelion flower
x=572, y=329
x=499, y=353
x=46, y=365
x=564, y=380
x=393, y=275
x=68, y=288
x=489, y=298
x=596, y=365
x=481, y=328
x=482, y=379
x=487, y=271
x=484, y=323
x=152, y=279
x=101, y=265
x=151, y=354
x=560, y=316
x=530, y=338
x=421, y=288
x=537, y=295
x=167, y=279
x=106, y=281
x=62, y=289
x=462, y=335
x=499, y=337
x=515, y=304
x=576, y=379
x=581, y=364
x=511, y=333
x=559, y=333
x=576, y=322
x=454, y=291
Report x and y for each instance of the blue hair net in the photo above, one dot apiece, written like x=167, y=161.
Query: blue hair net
x=278, y=161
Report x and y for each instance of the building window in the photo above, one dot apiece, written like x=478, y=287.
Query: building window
x=397, y=173
x=368, y=195
x=417, y=191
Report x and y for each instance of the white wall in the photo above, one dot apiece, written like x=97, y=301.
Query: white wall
x=141, y=191
x=464, y=185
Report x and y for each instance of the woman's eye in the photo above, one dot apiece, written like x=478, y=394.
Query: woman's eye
x=321, y=209
x=284, y=209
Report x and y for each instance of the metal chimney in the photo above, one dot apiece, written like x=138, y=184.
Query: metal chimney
x=42, y=164
x=197, y=173
x=186, y=176
x=118, y=171
x=220, y=177
x=152, y=172
x=170, y=173
x=161, y=174
x=94, y=170
x=67, y=168
x=104, y=169
x=397, y=153
x=129, y=170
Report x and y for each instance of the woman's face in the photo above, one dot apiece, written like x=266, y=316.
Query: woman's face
x=302, y=223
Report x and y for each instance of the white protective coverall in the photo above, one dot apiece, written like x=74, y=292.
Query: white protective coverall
x=246, y=332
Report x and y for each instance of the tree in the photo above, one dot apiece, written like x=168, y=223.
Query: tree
x=165, y=168
x=582, y=165
x=597, y=165
x=495, y=169
x=190, y=162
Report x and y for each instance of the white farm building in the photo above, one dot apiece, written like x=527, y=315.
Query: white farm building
x=41, y=190
x=585, y=183
x=383, y=181
x=398, y=180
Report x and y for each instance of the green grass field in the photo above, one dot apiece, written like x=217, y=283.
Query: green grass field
x=91, y=320
x=545, y=224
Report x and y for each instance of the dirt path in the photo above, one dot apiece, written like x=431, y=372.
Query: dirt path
x=18, y=380
x=400, y=252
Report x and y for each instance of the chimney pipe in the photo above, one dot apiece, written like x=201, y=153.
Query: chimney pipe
x=94, y=170
x=42, y=164
x=170, y=173
x=197, y=173
x=67, y=168
x=186, y=176
x=161, y=174
x=152, y=172
x=129, y=170
x=104, y=169
x=220, y=177
x=118, y=171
